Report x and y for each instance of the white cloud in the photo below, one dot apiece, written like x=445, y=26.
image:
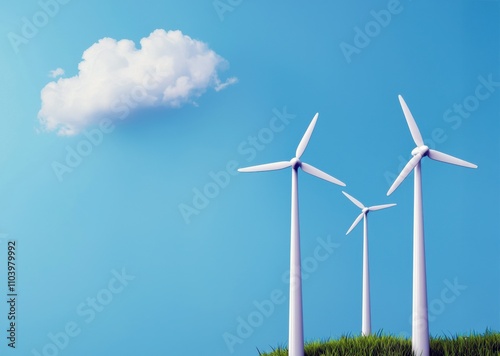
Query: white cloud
x=56, y=72
x=170, y=69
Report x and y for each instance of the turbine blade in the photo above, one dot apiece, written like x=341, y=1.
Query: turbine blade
x=415, y=132
x=409, y=166
x=320, y=174
x=356, y=222
x=266, y=167
x=305, y=139
x=354, y=200
x=443, y=157
x=379, y=207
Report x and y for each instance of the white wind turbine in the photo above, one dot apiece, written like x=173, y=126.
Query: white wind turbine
x=420, y=323
x=366, y=324
x=296, y=329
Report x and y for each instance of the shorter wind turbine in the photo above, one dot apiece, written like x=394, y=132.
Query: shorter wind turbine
x=366, y=324
x=295, y=323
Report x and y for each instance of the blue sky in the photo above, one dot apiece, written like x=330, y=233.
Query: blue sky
x=107, y=261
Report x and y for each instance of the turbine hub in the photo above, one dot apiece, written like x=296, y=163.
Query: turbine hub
x=295, y=162
x=422, y=150
x=365, y=210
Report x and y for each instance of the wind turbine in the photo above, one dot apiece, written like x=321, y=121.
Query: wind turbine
x=295, y=323
x=366, y=324
x=420, y=323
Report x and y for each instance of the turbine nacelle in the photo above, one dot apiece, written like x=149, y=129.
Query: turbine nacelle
x=420, y=150
x=295, y=163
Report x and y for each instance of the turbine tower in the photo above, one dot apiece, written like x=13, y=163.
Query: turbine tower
x=420, y=324
x=366, y=324
x=296, y=329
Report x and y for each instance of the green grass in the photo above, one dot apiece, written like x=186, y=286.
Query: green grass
x=473, y=344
